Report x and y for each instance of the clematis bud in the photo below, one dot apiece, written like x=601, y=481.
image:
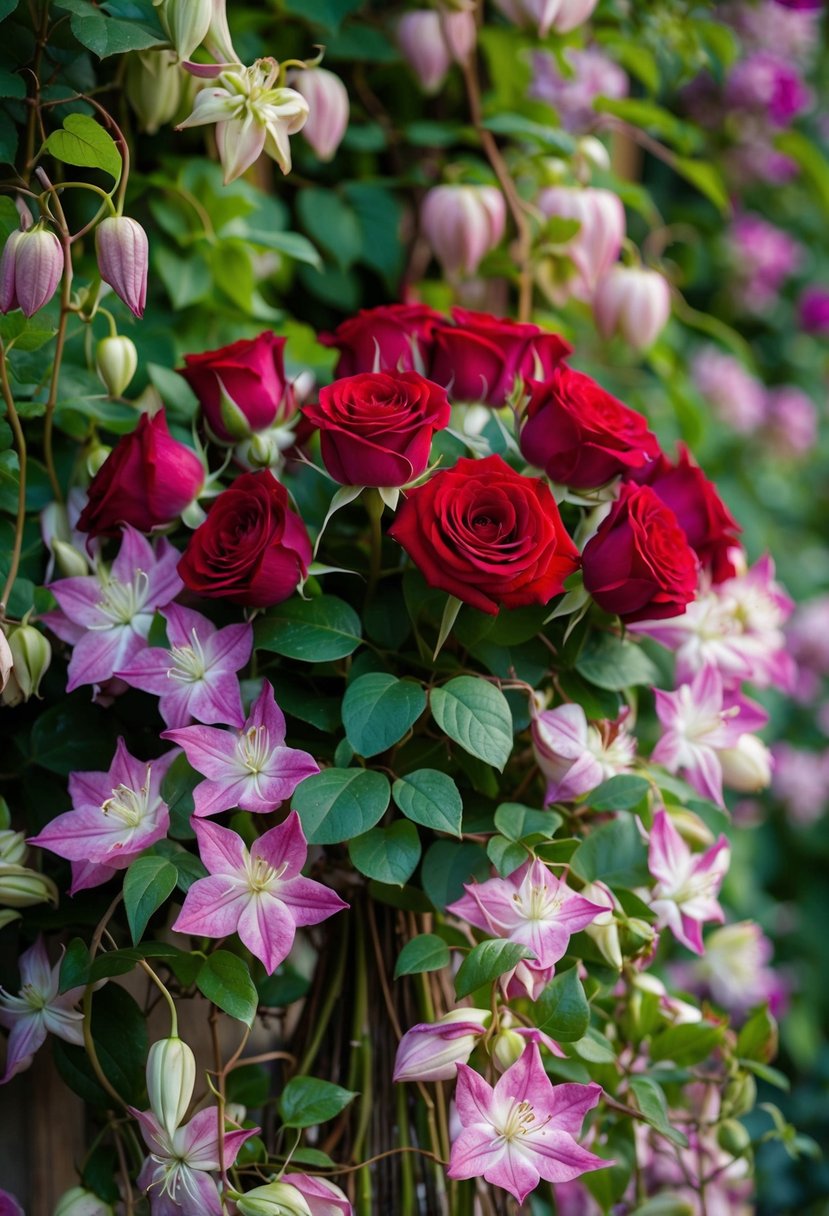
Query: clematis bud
x=6, y=661
x=96, y=457
x=187, y=23
x=116, y=362
x=31, y=655
x=430, y=41
x=171, y=1076
x=154, y=87
x=327, y=99
x=79, y=1202
x=12, y=848
x=559, y=15
x=123, y=257
x=746, y=767
x=274, y=1199
x=462, y=224
x=633, y=303
x=431, y=1051
x=595, y=247
x=22, y=888
x=30, y=270
x=604, y=929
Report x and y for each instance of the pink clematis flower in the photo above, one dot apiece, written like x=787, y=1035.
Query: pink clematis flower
x=250, y=768
x=37, y=1010
x=687, y=884
x=116, y=816
x=575, y=756
x=196, y=677
x=177, y=1173
x=261, y=894
x=699, y=723
x=322, y=1197
x=107, y=615
x=523, y=1129
x=432, y=1051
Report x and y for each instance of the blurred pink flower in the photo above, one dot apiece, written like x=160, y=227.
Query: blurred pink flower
x=38, y=1010
x=592, y=74
x=801, y=782
x=737, y=397
x=767, y=83
x=813, y=311
x=791, y=421
x=764, y=256
x=687, y=884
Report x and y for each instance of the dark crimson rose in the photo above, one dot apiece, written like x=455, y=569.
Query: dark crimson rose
x=147, y=480
x=241, y=388
x=252, y=549
x=479, y=357
x=487, y=535
x=383, y=339
x=579, y=434
x=376, y=428
x=639, y=563
x=709, y=526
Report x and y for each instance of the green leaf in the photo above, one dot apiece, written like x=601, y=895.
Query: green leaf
x=686, y=1044
x=505, y=854
x=119, y=1033
x=666, y=1204
x=341, y=803
x=177, y=787
x=650, y=1098
x=430, y=798
x=378, y=710
x=84, y=142
x=106, y=35
x=614, y=853
x=225, y=980
x=652, y=117
x=74, y=966
x=293, y=244
x=332, y=223
x=147, y=884
x=476, y=715
x=327, y=13
x=7, y=7
x=610, y=663
x=486, y=961
x=307, y=1101
x=757, y=1039
x=314, y=631
x=518, y=822
x=807, y=153
x=73, y=735
x=620, y=793
x=12, y=85
x=447, y=866
x=707, y=179
x=562, y=1010
x=428, y=952
x=389, y=855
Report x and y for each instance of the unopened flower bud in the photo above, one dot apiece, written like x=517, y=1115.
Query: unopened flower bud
x=31, y=654
x=274, y=1199
x=12, y=848
x=21, y=887
x=6, y=661
x=123, y=258
x=594, y=248
x=96, y=456
x=604, y=930
x=431, y=1051
x=328, y=109
x=633, y=303
x=740, y=1095
x=154, y=87
x=8, y=917
x=70, y=562
x=187, y=23
x=171, y=1076
x=733, y=1138
x=430, y=41
x=594, y=152
x=693, y=830
x=79, y=1202
x=747, y=766
x=559, y=15
x=116, y=362
x=30, y=270
x=462, y=224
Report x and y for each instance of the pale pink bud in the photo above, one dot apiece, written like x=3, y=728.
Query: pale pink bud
x=6, y=661
x=420, y=38
x=30, y=270
x=746, y=767
x=123, y=257
x=596, y=245
x=462, y=224
x=8, y=293
x=633, y=303
x=559, y=15
x=79, y=1202
x=328, y=108
x=459, y=33
x=431, y=1051
x=571, y=14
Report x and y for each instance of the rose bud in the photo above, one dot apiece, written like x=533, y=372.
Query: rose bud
x=252, y=549
x=432, y=1051
x=123, y=251
x=79, y=1202
x=639, y=563
x=486, y=535
x=116, y=362
x=242, y=387
x=746, y=767
x=30, y=270
x=462, y=224
x=31, y=656
x=147, y=481
x=328, y=109
x=171, y=1076
x=376, y=429
x=154, y=87
x=581, y=435
x=430, y=40
x=187, y=23
x=480, y=357
x=393, y=337
x=596, y=245
x=23, y=888
x=633, y=303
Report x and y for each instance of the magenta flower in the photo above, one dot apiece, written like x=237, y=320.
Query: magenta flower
x=177, y=1173
x=250, y=768
x=261, y=894
x=196, y=677
x=116, y=816
x=112, y=609
x=37, y=1010
x=523, y=1129
x=687, y=884
x=575, y=756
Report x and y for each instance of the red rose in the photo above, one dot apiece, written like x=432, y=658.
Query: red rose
x=709, y=526
x=639, y=563
x=479, y=357
x=252, y=549
x=383, y=339
x=487, y=535
x=241, y=388
x=147, y=480
x=579, y=434
x=376, y=428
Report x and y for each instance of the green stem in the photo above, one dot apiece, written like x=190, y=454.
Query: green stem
x=324, y=1017
x=60, y=342
x=374, y=507
x=145, y=966
x=20, y=441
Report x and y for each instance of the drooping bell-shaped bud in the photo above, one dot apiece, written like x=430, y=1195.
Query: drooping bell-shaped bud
x=328, y=109
x=79, y=1202
x=116, y=362
x=123, y=259
x=187, y=23
x=154, y=87
x=430, y=41
x=273, y=1199
x=30, y=270
x=31, y=655
x=6, y=661
x=171, y=1077
x=8, y=292
x=431, y=1051
x=595, y=246
x=546, y=15
x=747, y=766
x=12, y=848
x=23, y=888
x=462, y=224
x=632, y=303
